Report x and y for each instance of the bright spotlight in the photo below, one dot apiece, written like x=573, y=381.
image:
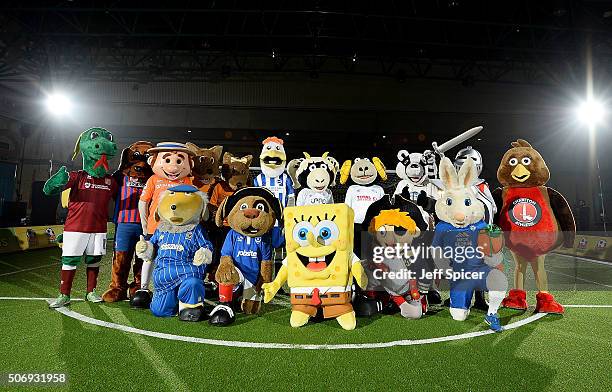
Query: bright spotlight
x=58, y=104
x=591, y=112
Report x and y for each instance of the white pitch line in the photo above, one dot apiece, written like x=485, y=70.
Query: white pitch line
x=588, y=306
x=28, y=269
x=607, y=263
x=242, y=344
x=582, y=279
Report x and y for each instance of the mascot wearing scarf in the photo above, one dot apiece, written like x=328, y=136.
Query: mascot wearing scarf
x=91, y=189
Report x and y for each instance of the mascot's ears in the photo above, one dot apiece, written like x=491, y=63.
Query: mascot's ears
x=380, y=168
x=345, y=171
x=77, y=146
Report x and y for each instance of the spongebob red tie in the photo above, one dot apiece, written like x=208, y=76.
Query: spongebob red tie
x=316, y=300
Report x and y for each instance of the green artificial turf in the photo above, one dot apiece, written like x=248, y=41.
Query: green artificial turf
x=570, y=352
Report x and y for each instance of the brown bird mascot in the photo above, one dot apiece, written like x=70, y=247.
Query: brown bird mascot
x=535, y=220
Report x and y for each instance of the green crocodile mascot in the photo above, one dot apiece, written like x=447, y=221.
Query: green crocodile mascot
x=91, y=189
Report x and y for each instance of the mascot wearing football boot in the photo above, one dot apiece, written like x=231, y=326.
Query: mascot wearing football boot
x=320, y=265
x=171, y=163
x=181, y=252
x=91, y=189
x=484, y=196
x=457, y=245
x=132, y=175
x=535, y=220
x=246, y=255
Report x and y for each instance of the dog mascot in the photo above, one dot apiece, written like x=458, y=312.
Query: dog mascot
x=246, y=256
x=363, y=172
x=91, y=189
x=171, y=163
x=484, y=196
x=235, y=172
x=205, y=170
x=535, y=220
x=132, y=175
x=317, y=174
x=320, y=264
x=181, y=252
x=457, y=245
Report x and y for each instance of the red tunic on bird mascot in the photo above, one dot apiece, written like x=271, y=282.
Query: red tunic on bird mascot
x=535, y=220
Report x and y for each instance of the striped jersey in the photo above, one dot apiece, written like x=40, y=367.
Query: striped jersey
x=281, y=186
x=126, y=205
x=174, y=259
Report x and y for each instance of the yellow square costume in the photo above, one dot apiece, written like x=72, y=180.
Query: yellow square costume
x=320, y=264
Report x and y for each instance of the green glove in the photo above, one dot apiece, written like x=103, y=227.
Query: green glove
x=55, y=184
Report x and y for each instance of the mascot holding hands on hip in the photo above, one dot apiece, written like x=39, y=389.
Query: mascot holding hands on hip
x=91, y=189
x=171, y=163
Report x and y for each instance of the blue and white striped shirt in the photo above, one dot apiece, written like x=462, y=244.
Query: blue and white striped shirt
x=174, y=260
x=281, y=186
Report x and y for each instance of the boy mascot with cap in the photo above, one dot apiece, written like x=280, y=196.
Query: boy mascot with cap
x=171, y=163
x=535, y=220
x=131, y=177
x=273, y=161
x=246, y=256
x=91, y=189
x=182, y=254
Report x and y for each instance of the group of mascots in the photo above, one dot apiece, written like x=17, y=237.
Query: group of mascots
x=188, y=220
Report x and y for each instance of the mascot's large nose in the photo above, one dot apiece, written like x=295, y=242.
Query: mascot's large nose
x=414, y=166
x=251, y=213
x=173, y=207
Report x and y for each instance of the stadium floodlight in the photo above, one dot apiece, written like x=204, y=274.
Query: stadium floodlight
x=591, y=112
x=58, y=104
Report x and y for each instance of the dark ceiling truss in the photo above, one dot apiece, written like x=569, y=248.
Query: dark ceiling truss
x=520, y=41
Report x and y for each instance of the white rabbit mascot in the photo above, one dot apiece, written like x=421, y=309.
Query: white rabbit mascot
x=457, y=245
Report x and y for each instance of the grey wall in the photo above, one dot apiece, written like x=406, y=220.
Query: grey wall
x=345, y=115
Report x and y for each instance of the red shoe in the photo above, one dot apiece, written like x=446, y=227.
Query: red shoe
x=546, y=304
x=516, y=299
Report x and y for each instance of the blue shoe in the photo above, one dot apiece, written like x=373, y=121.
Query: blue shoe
x=494, y=322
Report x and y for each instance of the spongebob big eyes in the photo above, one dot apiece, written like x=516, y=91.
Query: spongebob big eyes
x=320, y=264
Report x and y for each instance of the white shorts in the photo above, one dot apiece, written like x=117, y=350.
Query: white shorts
x=90, y=244
x=248, y=288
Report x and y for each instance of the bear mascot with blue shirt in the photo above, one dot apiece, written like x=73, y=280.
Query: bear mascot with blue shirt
x=246, y=256
x=182, y=253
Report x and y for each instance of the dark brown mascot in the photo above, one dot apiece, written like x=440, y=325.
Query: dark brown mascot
x=246, y=255
x=131, y=176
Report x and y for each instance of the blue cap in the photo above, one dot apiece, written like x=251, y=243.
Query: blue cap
x=184, y=188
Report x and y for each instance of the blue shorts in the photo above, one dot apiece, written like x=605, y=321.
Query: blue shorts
x=126, y=236
x=166, y=304
x=461, y=291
